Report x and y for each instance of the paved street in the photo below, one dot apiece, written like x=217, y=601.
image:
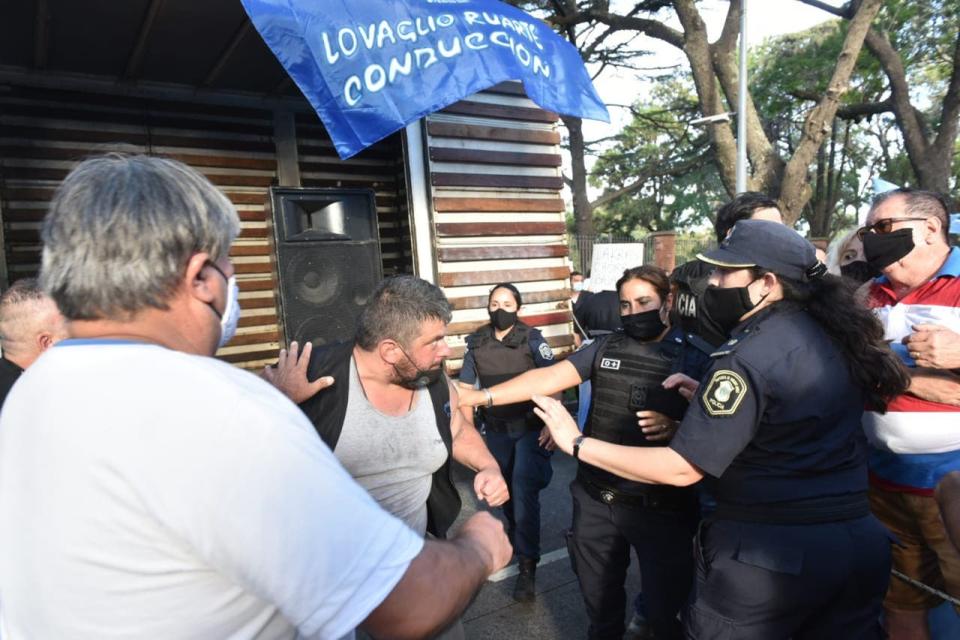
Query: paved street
x=558, y=611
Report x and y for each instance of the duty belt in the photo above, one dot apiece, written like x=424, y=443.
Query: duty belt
x=656, y=498
x=807, y=511
x=499, y=425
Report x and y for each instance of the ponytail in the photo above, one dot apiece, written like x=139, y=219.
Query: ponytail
x=829, y=299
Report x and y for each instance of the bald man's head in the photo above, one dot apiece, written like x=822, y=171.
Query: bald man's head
x=30, y=322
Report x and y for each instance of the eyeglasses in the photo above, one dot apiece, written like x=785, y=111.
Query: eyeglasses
x=884, y=226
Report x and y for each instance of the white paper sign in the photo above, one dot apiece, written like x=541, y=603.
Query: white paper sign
x=609, y=262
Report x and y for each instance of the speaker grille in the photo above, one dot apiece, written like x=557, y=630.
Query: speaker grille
x=324, y=284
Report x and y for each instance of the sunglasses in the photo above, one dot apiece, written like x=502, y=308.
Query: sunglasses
x=884, y=226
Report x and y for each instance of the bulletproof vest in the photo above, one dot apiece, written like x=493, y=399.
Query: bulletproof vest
x=626, y=367
x=498, y=361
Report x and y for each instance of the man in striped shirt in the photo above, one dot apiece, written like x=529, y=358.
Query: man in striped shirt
x=918, y=440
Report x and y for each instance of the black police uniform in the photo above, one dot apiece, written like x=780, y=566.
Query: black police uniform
x=599, y=314
x=512, y=431
x=612, y=514
x=698, y=331
x=792, y=551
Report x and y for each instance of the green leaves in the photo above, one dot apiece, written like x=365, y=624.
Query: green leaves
x=660, y=169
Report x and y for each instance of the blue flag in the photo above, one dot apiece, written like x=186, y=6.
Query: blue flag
x=882, y=186
x=370, y=67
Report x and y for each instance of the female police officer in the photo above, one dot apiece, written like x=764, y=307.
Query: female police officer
x=496, y=352
x=610, y=514
x=792, y=551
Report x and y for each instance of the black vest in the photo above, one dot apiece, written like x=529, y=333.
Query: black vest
x=328, y=409
x=620, y=364
x=500, y=361
x=626, y=367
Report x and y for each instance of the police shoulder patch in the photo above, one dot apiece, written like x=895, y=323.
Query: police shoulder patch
x=724, y=393
x=545, y=351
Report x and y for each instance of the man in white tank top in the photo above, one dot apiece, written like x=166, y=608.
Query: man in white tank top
x=399, y=408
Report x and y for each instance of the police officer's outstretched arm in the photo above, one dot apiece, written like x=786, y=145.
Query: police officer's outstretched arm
x=652, y=465
x=720, y=422
x=544, y=380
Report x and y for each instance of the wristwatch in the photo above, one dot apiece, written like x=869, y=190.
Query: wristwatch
x=576, y=445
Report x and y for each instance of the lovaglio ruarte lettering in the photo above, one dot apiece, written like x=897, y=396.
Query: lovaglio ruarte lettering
x=486, y=30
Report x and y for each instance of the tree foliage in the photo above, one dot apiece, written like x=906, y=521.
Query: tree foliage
x=789, y=75
x=660, y=174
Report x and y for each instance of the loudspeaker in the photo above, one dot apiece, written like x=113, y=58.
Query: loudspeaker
x=328, y=260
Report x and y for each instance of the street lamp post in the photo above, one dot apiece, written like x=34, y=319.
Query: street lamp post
x=742, y=105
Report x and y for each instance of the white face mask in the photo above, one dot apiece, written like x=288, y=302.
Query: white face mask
x=578, y=286
x=231, y=311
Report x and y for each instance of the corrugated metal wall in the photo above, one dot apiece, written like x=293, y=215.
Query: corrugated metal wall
x=44, y=133
x=495, y=178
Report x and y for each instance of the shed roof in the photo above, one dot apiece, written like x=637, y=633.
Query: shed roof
x=205, y=44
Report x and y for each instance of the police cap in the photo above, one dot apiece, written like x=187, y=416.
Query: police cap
x=769, y=245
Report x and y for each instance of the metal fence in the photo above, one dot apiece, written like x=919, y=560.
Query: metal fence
x=581, y=248
x=687, y=247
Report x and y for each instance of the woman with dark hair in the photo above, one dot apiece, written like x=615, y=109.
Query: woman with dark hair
x=792, y=550
x=629, y=407
x=498, y=351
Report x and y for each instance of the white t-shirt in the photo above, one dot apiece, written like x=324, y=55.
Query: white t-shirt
x=148, y=493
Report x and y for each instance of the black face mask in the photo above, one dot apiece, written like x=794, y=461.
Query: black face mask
x=859, y=271
x=643, y=326
x=502, y=319
x=421, y=377
x=883, y=249
x=726, y=306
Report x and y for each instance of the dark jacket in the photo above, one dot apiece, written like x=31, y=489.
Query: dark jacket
x=599, y=314
x=328, y=408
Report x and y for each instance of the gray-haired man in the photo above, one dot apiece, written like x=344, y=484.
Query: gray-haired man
x=166, y=494
x=30, y=323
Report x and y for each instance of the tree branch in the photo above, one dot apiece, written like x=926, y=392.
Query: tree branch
x=727, y=41
x=848, y=111
x=767, y=164
x=950, y=112
x=652, y=28
x=697, y=49
x=846, y=11
x=639, y=182
x=795, y=192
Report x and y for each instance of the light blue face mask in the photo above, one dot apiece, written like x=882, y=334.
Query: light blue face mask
x=231, y=311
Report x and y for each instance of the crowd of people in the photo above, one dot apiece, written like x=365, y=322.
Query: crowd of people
x=770, y=434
